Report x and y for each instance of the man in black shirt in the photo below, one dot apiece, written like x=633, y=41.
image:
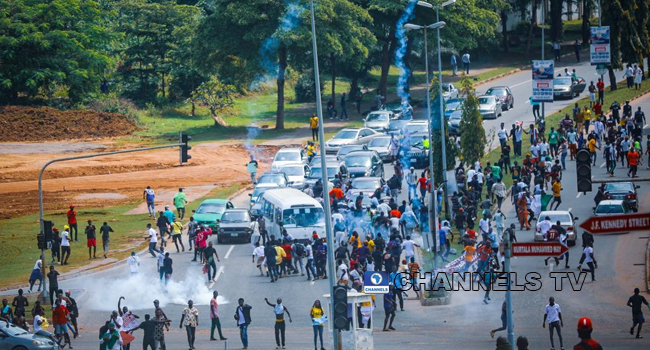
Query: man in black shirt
x=54, y=283
x=635, y=303
x=149, y=327
x=91, y=237
x=105, y=230
x=270, y=253
x=19, y=303
x=209, y=253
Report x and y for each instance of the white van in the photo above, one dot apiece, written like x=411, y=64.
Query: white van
x=293, y=210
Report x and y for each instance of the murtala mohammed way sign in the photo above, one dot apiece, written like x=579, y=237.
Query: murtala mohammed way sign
x=539, y=249
x=617, y=223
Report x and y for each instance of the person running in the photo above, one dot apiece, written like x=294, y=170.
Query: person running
x=553, y=315
x=209, y=254
x=72, y=306
x=214, y=317
x=134, y=263
x=389, y=308
x=280, y=325
x=105, y=230
x=633, y=161
x=251, y=167
x=91, y=238
x=585, y=327
x=163, y=223
x=37, y=274
x=53, y=278
x=557, y=194
x=635, y=302
x=60, y=315
x=258, y=255
x=72, y=222
x=149, y=195
x=177, y=231
x=167, y=268
x=504, y=320
x=152, y=236
x=65, y=245
x=190, y=319
x=589, y=259
x=243, y=318
x=313, y=124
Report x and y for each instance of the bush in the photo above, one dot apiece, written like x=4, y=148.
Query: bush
x=305, y=88
x=113, y=104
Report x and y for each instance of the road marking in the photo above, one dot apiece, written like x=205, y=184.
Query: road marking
x=525, y=82
x=579, y=194
x=229, y=251
x=602, y=165
x=219, y=273
x=569, y=209
x=210, y=285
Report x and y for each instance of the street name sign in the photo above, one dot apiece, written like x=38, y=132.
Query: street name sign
x=617, y=223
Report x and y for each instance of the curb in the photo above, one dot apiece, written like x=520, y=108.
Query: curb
x=83, y=272
x=647, y=267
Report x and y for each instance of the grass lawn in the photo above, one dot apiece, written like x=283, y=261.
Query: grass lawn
x=19, y=251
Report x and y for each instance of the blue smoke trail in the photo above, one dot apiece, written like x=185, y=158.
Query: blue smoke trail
x=400, y=52
x=252, y=131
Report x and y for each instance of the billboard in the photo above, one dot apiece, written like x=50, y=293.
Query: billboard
x=599, y=50
x=543, y=72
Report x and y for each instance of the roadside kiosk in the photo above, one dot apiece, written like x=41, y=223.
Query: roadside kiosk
x=356, y=338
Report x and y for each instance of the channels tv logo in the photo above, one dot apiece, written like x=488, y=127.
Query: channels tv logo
x=375, y=282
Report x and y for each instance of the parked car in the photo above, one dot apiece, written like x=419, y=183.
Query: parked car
x=333, y=168
x=398, y=110
x=381, y=145
x=287, y=156
x=490, y=106
x=16, y=338
x=316, y=160
x=449, y=91
x=417, y=155
x=622, y=190
x=396, y=126
x=234, y=224
x=367, y=184
x=210, y=210
x=453, y=105
x=453, y=124
x=417, y=126
x=378, y=120
x=344, y=150
x=364, y=163
x=504, y=95
x=258, y=191
x=612, y=207
x=567, y=87
x=567, y=221
x=349, y=136
x=276, y=178
x=296, y=174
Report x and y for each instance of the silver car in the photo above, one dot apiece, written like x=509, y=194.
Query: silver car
x=566, y=87
x=296, y=173
x=378, y=120
x=417, y=126
x=567, y=221
x=490, y=106
x=381, y=145
x=288, y=156
x=449, y=91
x=349, y=136
x=16, y=338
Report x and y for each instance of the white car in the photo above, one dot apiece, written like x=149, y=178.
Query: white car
x=381, y=145
x=417, y=126
x=287, y=156
x=296, y=173
x=567, y=220
x=612, y=207
x=489, y=106
x=449, y=91
x=350, y=136
x=378, y=120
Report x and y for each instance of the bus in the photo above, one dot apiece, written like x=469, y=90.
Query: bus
x=294, y=211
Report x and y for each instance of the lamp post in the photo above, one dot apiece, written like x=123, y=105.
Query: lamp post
x=324, y=178
x=433, y=218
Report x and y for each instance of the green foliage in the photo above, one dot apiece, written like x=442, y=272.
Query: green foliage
x=473, y=141
x=305, y=88
x=48, y=43
x=216, y=96
x=114, y=104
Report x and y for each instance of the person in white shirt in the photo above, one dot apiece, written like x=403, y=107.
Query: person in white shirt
x=258, y=254
x=309, y=266
x=544, y=225
x=65, y=245
x=484, y=225
x=255, y=229
x=134, y=263
x=465, y=59
x=589, y=259
x=152, y=236
x=412, y=181
x=553, y=315
x=503, y=135
x=160, y=263
x=341, y=237
x=409, y=248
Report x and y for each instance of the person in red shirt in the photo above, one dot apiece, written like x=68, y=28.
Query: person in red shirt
x=286, y=267
x=633, y=161
x=424, y=185
x=598, y=109
x=600, y=85
x=336, y=193
x=60, y=321
x=72, y=222
x=395, y=213
x=585, y=328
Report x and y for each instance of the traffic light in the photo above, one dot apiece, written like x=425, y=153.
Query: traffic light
x=185, y=147
x=47, y=230
x=583, y=170
x=40, y=239
x=340, y=300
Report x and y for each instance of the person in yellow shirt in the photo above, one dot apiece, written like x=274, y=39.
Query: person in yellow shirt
x=557, y=190
x=177, y=230
x=469, y=256
x=587, y=114
x=371, y=243
x=591, y=145
x=280, y=254
x=313, y=123
x=355, y=241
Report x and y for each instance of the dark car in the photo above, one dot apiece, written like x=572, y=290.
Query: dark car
x=16, y=338
x=364, y=164
x=622, y=190
x=453, y=124
x=316, y=160
x=234, y=224
x=567, y=87
x=349, y=148
x=504, y=94
x=417, y=155
x=453, y=105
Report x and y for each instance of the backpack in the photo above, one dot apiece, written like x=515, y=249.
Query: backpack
x=299, y=249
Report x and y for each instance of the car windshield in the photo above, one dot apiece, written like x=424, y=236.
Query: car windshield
x=235, y=216
x=365, y=184
x=316, y=173
x=345, y=135
x=347, y=149
x=610, y=209
x=293, y=170
x=413, y=128
x=485, y=100
x=377, y=117
x=287, y=157
x=619, y=187
x=258, y=191
x=557, y=217
x=211, y=208
x=357, y=161
x=562, y=81
x=456, y=116
x=453, y=104
x=415, y=141
x=12, y=330
x=271, y=179
x=446, y=87
x=379, y=142
x=496, y=92
x=303, y=217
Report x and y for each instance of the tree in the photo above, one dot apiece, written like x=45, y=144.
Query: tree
x=44, y=44
x=473, y=140
x=216, y=96
x=613, y=16
x=556, y=19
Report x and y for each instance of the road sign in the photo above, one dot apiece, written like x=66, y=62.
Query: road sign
x=617, y=223
x=539, y=249
x=601, y=69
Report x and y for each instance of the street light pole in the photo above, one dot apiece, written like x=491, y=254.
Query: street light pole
x=543, y=23
x=443, y=139
x=324, y=178
x=433, y=218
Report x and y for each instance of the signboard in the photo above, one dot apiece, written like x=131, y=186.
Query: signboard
x=543, y=72
x=617, y=223
x=599, y=50
x=376, y=282
x=539, y=249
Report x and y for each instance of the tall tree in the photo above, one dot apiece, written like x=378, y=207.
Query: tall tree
x=556, y=19
x=51, y=43
x=473, y=140
x=613, y=16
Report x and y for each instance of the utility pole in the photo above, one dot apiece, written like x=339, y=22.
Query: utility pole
x=443, y=139
x=543, y=25
x=510, y=319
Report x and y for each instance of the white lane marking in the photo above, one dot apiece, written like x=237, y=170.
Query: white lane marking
x=219, y=273
x=569, y=209
x=229, y=251
x=579, y=194
x=602, y=165
x=312, y=283
x=522, y=83
x=211, y=285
